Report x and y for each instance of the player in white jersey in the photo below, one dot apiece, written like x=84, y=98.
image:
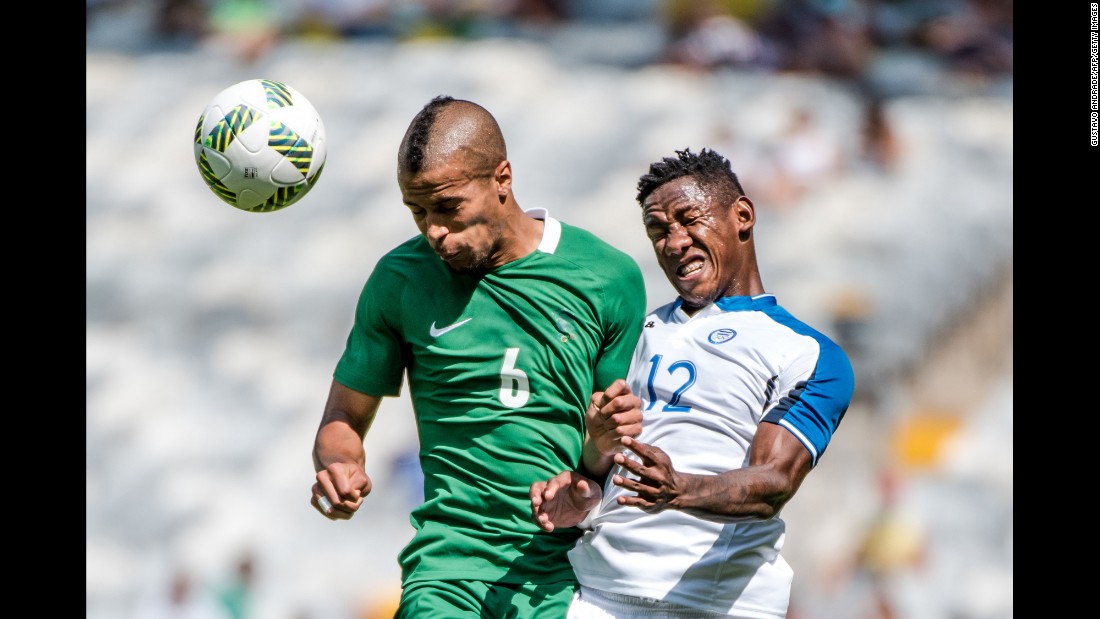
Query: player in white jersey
x=740, y=400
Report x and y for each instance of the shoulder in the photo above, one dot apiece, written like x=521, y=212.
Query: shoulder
x=780, y=315
x=414, y=249
x=584, y=248
x=410, y=262
x=832, y=360
x=405, y=259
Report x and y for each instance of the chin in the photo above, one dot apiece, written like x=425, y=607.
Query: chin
x=468, y=265
x=690, y=294
x=694, y=299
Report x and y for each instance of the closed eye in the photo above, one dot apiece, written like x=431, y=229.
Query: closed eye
x=655, y=229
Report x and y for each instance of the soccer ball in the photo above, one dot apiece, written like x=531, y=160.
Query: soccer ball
x=260, y=145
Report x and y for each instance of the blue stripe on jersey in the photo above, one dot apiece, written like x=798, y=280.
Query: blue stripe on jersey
x=813, y=409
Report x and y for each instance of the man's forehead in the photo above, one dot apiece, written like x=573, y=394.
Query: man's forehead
x=676, y=195
x=438, y=180
x=460, y=162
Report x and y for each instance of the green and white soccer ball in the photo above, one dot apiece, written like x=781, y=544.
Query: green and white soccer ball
x=260, y=145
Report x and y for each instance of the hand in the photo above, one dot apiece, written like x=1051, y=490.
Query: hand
x=658, y=484
x=612, y=415
x=342, y=484
x=563, y=500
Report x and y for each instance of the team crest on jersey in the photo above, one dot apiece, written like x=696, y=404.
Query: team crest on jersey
x=566, y=325
x=721, y=335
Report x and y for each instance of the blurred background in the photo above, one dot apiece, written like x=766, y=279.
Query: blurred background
x=875, y=137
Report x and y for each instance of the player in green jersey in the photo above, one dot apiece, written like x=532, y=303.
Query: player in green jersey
x=511, y=328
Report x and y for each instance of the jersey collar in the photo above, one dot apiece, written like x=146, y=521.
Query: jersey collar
x=551, y=230
x=735, y=304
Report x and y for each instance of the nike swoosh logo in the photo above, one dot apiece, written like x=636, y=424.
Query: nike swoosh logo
x=438, y=332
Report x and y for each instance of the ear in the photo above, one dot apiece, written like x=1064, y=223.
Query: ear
x=503, y=177
x=745, y=214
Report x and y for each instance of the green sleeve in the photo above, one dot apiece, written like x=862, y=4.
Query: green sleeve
x=624, y=309
x=372, y=360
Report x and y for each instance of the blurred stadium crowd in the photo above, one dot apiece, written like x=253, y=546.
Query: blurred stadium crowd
x=875, y=137
x=837, y=38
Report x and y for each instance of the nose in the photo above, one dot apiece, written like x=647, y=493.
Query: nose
x=435, y=232
x=678, y=240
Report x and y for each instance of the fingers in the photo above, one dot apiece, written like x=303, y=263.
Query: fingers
x=636, y=501
x=349, y=482
x=545, y=491
x=339, y=491
x=544, y=522
x=542, y=493
x=651, y=459
x=320, y=501
x=651, y=477
x=626, y=427
x=324, y=489
x=541, y=517
x=616, y=398
x=634, y=485
x=623, y=413
x=550, y=492
x=596, y=401
x=646, y=452
x=583, y=488
x=630, y=464
x=535, y=493
x=642, y=491
x=556, y=483
x=563, y=500
x=613, y=414
x=649, y=453
x=617, y=388
x=342, y=510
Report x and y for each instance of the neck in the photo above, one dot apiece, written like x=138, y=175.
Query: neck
x=521, y=236
x=750, y=286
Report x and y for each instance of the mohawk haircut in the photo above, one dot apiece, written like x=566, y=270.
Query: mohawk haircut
x=416, y=141
x=709, y=168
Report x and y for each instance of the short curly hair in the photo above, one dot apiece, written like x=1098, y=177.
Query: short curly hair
x=709, y=168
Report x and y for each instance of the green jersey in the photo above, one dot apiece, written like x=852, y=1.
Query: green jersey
x=500, y=366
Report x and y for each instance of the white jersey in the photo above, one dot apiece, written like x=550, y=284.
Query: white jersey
x=707, y=381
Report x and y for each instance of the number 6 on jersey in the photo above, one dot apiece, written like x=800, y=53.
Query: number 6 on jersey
x=514, y=387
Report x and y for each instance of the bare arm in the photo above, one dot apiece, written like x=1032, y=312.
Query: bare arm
x=338, y=456
x=778, y=463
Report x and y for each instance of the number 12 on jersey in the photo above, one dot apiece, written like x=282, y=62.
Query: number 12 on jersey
x=688, y=381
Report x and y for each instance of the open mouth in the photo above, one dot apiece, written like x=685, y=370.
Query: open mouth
x=690, y=268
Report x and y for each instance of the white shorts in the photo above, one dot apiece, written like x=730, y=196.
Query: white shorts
x=595, y=604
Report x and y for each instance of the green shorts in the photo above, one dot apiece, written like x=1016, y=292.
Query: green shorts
x=474, y=599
